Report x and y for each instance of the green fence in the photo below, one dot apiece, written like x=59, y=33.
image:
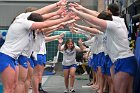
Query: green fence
x=52, y=47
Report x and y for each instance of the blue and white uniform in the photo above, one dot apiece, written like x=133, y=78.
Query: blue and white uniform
x=118, y=47
x=69, y=57
x=106, y=59
x=26, y=53
x=41, y=53
x=17, y=39
x=100, y=49
x=24, y=58
x=93, y=48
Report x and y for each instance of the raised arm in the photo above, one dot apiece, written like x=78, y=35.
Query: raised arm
x=99, y=22
x=49, y=15
x=58, y=26
x=80, y=31
x=82, y=47
x=92, y=25
x=60, y=41
x=50, y=7
x=52, y=38
x=48, y=32
x=55, y=17
x=86, y=10
x=52, y=29
x=92, y=30
x=88, y=54
x=48, y=23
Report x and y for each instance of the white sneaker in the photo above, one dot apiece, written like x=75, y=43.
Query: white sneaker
x=72, y=90
x=66, y=91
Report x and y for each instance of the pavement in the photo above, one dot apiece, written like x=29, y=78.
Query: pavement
x=55, y=83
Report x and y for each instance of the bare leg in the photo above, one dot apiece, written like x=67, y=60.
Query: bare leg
x=8, y=80
x=96, y=84
x=105, y=84
x=121, y=82
x=40, y=80
x=20, y=88
x=112, y=72
x=29, y=77
x=16, y=75
x=94, y=77
x=66, y=78
x=130, y=85
x=111, y=85
x=98, y=78
x=101, y=80
x=72, y=76
x=36, y=78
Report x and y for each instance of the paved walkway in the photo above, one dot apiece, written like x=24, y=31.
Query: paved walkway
x=55, y=84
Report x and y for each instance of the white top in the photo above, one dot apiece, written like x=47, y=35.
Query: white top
x=96, y=44
x=115, y=19
x=99, y=43
x=120, y=22
x=39, y=45
x=42, y=49
x=105, y=44
x=92, y=43
x=117, y=41
x=30, y=46
x=69, y=57
x=28, y=49
x=17, y=37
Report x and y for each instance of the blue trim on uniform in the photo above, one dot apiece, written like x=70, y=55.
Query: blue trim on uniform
x=94, y=62
x=16, y=63
x=68, y=67
x=99, y=58
x=104, y=62
x=45, y=59
x=128, y=65
x=5, y=61
x=41, y=60
x=31, y=61
x=23, y=60
x=108, y=66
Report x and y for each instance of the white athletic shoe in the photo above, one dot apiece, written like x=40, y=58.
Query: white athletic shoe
x=66, y=91
x=72, y=90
